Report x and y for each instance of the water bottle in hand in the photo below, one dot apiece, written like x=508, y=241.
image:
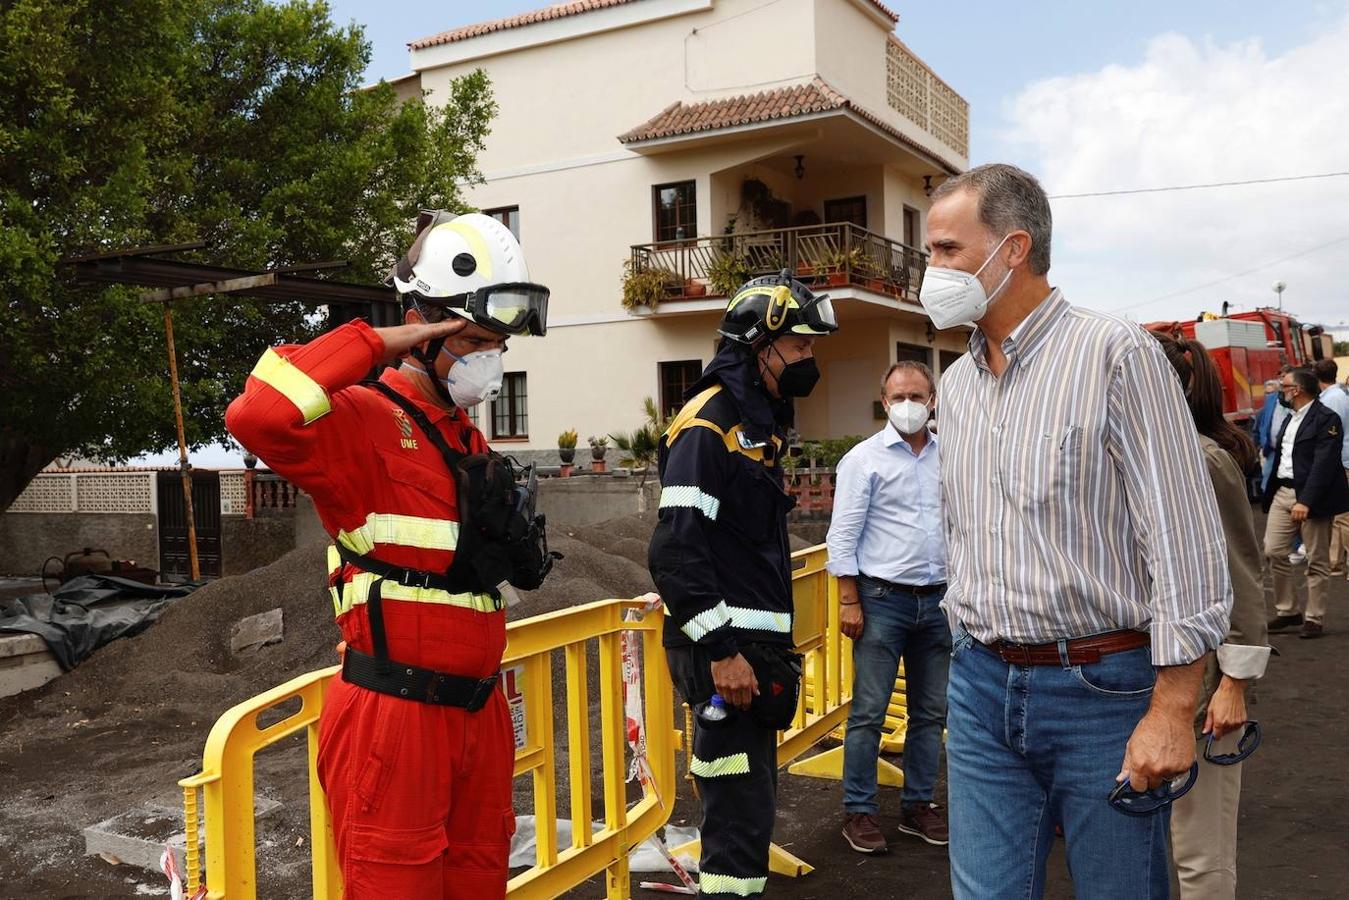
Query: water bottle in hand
x=714, y=710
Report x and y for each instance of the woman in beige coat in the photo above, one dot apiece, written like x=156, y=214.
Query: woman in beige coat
x=1204, y=821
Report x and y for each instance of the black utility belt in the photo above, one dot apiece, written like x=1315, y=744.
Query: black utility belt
x=1285, y=482
x=920, y=590
x=415, y=683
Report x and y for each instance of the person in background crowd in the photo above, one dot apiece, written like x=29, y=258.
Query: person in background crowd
x=887, y=549
x=1204, y=821
x=1267, y=425
x=1333, y=396
x=1081, y=616
x=1305, y=494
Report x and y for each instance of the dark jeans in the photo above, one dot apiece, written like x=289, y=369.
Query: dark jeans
x=896, y=624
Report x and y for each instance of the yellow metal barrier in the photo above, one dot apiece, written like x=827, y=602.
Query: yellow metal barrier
x=226, y=779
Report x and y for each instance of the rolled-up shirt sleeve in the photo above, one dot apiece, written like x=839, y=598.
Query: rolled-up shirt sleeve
x=852, y=497
x=1172, y=507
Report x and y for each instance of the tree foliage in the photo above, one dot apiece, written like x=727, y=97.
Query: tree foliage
x=240, y=123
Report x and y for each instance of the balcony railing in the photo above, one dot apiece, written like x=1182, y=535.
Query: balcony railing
x=823, y=256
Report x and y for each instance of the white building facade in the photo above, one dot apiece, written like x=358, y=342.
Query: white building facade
x=703, y=140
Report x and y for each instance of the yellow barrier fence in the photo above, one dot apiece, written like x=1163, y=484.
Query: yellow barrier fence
x=226, y=779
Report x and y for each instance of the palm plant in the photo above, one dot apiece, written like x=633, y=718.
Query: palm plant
x=641, y=446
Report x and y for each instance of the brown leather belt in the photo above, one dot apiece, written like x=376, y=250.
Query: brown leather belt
x=1081, y=651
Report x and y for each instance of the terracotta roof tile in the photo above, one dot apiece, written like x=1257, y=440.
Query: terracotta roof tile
x=556, y=11
x=814, y=96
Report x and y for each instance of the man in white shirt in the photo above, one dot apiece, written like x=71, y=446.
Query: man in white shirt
x=888, y=551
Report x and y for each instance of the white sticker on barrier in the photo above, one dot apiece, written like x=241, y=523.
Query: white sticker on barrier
x=512, y=681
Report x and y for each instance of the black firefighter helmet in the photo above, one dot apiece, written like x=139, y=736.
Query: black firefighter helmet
x=771, y=306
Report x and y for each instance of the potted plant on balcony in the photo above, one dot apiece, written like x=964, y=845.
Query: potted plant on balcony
x=842, y=265
x=599, y=446
x=694, y=288
x=646, y=286
x=566, y=449
x=726, y=273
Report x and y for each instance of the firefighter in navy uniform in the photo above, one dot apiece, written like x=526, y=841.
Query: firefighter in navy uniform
x=415, y=749
x=721, y=561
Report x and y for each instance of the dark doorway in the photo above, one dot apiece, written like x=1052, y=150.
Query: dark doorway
x=173, y=556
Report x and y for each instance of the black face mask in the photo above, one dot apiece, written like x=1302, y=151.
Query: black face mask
x=798, y=379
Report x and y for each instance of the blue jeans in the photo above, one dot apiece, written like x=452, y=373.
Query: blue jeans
x=1031, y=747
x=895, y=624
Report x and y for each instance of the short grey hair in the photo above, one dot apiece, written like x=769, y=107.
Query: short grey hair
x=1010, y=199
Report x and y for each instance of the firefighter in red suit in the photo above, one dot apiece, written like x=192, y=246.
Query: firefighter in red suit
x=415, y=742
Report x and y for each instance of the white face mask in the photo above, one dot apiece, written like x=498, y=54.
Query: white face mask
x=475, y=377
x=908, y=416
x=952, y=297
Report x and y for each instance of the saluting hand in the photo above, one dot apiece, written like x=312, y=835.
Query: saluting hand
x=400, y=339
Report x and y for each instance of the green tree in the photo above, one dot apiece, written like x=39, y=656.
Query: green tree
x=236, y=122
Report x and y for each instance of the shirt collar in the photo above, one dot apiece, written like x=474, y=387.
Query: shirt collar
x=1027, y=337
x=891, y=437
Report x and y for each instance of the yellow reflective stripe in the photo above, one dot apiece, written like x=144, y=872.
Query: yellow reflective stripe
x=357, y=591
x=406, y=531
x=297, y=387
x=334, y=560
x=476, y=245
x=735, y=764
x=712, y=883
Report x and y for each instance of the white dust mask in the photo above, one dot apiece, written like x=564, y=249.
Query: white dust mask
x=475, y=377
x=908, y=416
x=952, y=297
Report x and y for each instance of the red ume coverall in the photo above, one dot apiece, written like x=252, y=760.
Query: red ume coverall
x=420, y=794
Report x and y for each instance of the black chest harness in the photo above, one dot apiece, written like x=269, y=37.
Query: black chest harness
x=502, y=546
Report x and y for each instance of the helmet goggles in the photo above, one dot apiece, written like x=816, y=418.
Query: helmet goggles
x=516, y=308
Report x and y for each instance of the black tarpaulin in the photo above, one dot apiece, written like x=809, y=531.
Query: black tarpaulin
x=87, y=612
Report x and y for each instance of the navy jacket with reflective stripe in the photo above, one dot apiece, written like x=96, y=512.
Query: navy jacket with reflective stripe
x=720, y=555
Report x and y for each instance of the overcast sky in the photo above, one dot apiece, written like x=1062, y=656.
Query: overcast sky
x=1113, y=95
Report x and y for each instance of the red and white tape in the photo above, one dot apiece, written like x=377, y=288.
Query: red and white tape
x=634, y=714
x=168, y=864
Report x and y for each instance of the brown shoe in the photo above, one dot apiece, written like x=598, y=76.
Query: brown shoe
x=925, y=820
x=863, y=833
x=1311, y=629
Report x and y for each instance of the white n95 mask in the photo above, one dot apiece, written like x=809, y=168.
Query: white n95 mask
x=908, y=416
x=475, y=377
x=952, y=297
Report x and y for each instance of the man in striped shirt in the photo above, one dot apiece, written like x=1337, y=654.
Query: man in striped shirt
x=1088, y=575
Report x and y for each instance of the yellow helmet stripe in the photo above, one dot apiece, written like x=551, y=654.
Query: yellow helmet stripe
x=477, y=244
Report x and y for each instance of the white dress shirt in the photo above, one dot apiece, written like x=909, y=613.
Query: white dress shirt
x=887, y=519
x=1286, y=448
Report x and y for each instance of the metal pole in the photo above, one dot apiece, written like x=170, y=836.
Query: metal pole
x=182, y=447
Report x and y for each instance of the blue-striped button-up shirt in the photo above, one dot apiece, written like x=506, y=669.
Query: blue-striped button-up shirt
x=1077, y=499
x=887, y=519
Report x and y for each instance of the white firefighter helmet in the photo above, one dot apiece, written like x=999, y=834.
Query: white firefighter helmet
x=473, y=267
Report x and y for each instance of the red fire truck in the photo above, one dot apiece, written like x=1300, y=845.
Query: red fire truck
x=1248, y=349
